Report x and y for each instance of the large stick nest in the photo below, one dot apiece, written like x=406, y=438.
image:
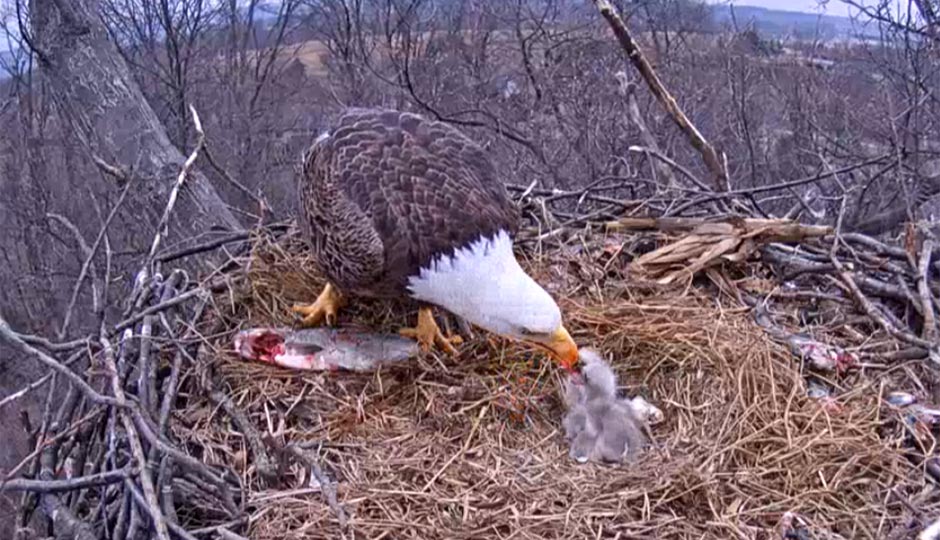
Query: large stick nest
x=471, y=446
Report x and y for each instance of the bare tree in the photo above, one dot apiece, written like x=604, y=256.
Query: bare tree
x=95, y=91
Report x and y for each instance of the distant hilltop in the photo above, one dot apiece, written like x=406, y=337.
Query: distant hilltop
x=769, y=23
x=794, y=24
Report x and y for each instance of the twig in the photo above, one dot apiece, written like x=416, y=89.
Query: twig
x=146, y=370
x=25, y=390
x=112, y=170
x=709, y=196
x=879, y=247
x=71, y=484
x=133, y=439
x=207, y=246
x=11, y=337
x=65, y=523
x=225, y=534
x=778, y=230
x=157, y=308
x=88, y=262
x=218, y=242
x=53, y=346
x=873, y=313
x=636, y=56
x=48, y=441
x=326, y=487
x=654, y=152
x=89, y=254
x=923, y=288
x=185, y=460
x=171, y=385
x=40, y=381
x=633, y=111
x=229, y=178
x=154, y=512
x=164, y=225
x=266, y=466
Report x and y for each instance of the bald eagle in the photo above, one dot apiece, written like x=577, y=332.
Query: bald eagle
x=395, y=205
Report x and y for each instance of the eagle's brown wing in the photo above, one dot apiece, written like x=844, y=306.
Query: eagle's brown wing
x=386, y=192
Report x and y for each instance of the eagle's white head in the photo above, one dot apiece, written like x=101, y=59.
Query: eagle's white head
x=484, y=284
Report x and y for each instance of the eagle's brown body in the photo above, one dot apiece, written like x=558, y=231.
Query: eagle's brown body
x=387, y=192
x=398, y=206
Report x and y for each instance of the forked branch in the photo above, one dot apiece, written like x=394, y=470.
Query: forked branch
x=710, y=156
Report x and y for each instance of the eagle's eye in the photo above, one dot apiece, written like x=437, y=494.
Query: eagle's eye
x=527, y=332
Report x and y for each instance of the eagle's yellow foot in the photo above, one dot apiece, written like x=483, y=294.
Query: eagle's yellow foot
x=324, y=309
x=428, y=333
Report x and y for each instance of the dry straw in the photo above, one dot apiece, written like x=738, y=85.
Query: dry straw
x=471, y=446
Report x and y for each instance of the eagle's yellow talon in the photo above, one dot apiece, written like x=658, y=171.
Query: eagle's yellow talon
x=325, y=308
x=427, y=333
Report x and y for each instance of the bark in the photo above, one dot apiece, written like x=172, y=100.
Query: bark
x=106, y=111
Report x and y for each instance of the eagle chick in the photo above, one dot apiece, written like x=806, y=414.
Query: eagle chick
x=598, y=426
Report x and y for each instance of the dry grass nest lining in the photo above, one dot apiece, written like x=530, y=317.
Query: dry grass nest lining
x=471, y=447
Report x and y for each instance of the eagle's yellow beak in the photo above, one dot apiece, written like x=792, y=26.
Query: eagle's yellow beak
x=561, y=347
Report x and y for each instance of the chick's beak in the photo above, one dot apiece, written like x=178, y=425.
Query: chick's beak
x=562, y=348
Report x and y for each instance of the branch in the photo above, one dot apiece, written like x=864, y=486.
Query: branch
x=164, y=224
x=865, y=304
x=71, y=484
x=654, y=152
x=326, y=487
x=64, y=521
x=154, y=512
x=88, y=262
x=636, y=56
x=633, y=111
x=12, y=338
x=133, y=439
x=266, y=466
x=923, y=288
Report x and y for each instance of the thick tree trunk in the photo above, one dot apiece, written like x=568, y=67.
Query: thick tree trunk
x=95, y=93
x=102, y=108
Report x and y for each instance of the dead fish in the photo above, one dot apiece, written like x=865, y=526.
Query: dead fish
x=900, y=399
x=817, y=390
x=926, y=415
x=821, y=355
x=321, y=349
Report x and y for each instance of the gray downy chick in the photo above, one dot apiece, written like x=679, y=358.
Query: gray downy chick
x=598, y=425
x=581, y=429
